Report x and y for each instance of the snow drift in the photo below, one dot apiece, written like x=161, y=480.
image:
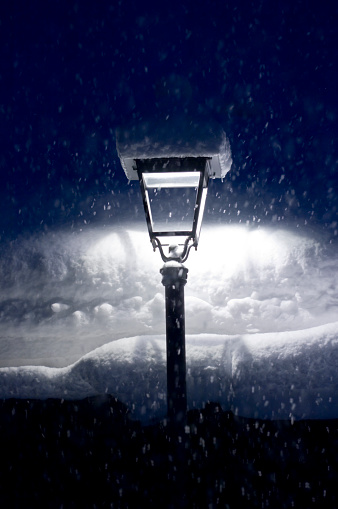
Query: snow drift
x=83, y=314
x=288, y=375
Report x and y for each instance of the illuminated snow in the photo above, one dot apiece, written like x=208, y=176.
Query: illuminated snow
x=272, y=375
x=84, y=314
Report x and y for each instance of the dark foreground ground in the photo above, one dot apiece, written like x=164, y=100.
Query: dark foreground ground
x=89, y=454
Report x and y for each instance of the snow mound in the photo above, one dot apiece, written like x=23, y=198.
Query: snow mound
x=286, y=375
x=63, y=295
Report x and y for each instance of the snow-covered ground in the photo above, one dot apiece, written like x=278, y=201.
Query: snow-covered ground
x=82, y=314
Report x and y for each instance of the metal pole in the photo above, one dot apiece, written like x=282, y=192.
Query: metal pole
x=174, y=279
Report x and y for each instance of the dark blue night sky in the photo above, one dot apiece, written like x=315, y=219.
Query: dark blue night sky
x=72, y=72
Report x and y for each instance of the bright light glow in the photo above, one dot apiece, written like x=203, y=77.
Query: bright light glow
x=243, y=249
x=171, y=179
x=172, y=210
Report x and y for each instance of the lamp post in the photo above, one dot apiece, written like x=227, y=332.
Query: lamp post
x=174, y=278
x=174, y=181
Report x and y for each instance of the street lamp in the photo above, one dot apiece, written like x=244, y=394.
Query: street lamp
x=173, y=167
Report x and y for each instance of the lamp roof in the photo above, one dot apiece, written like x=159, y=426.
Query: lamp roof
x=174, y=137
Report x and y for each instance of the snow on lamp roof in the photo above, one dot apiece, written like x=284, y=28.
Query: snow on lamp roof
x=178, y=137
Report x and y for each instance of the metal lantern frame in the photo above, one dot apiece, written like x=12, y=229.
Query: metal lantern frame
x=169, y=168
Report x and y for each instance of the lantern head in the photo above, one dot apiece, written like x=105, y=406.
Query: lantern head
x=174, y=179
